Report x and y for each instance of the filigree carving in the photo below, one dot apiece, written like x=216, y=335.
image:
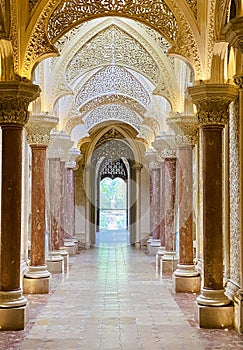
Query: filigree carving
x=32, y=4
x=193, y=6
x=186, y=129
x=112, y=80
x=15, y=98
x=79, y=184
x=186, y=45
x=154, y=13
x=212, y=101
x=39, y=43
x=233, y=32
x=112, y=45
x=112, y=112
x=238, y=79
x=113, y=150
x=38, y=129
x=234, y=188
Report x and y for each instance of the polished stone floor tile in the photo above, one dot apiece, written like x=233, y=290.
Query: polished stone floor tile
x=112, y=299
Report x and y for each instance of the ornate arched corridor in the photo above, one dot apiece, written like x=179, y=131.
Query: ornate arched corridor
x=150, y=92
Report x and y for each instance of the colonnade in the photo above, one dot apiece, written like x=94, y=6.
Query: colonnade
x=172, y=180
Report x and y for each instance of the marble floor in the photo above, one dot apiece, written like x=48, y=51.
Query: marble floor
x=112, y=298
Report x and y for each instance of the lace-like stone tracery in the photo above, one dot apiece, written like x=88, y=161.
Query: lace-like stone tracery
x=110, y=45
x=112, y=112
x=152, y=12
x=112, y=80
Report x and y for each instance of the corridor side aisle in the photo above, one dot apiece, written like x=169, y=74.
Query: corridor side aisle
x=112, y=300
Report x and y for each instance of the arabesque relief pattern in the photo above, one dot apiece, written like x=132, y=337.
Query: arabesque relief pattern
x=234, y=193
x=112, y=112
x=109, y=80
x=154, y=13
x=112, y=45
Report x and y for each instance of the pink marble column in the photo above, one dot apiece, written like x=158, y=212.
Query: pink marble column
x=155, y=202
x=37, y=278
x=162, y=203
x=170, y=193
x=62, y=205
x=55, y=192
x=69, y=215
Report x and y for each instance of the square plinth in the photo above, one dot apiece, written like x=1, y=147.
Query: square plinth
x=214, y=316
x=13, y=319
x=183, y=284
x=168, y=266
x=36, y=285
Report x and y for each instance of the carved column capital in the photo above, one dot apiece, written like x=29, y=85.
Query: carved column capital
x=233, y=32
x=186, y=129
x=38, y=129
x=137, y=166
x=212, y=102
x=15, y=97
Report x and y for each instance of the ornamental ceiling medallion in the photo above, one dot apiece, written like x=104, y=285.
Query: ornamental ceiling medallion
x=154, y=13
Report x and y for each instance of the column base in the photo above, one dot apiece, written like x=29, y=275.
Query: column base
x=160, y=253
x=153, y=246
x=182, y=284
x=168, y=262
x=13, y=314
x=70, y=247
x=55, y=263
x=219, y=317
x=13, y=319
x=137, y=245
x=238, y=307
x=37, y=280
x=64, y=253
x=213, y=297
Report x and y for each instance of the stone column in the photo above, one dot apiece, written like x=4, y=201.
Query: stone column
x=15, y=97
x=69, y=214
x=185, y=278
x=137, y=167
x=162, y=203
x=212, y=101
x=155, y=200
x=37, y=279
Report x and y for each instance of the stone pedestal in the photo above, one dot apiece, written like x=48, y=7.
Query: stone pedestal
x=153, y=246
x=55, y=262
x=65, y=255
x=160, y=253
x=70, y=247
x=218, y=317
x=168, y=262
x=37, y=280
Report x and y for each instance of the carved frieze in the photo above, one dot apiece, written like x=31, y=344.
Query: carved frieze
x=15, y=98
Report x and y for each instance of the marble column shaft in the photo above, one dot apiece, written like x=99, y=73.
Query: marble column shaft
x=170, y=193
x=69, y=213
x=38, y=202
x=185, y=204
x=162, y=203
x=155, y=203
x=55, y=202
x=11, y=207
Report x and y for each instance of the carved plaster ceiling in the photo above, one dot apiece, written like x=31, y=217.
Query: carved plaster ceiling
x=112, y=112
x=152, y=12
x=113, y=45
x=113, y=80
